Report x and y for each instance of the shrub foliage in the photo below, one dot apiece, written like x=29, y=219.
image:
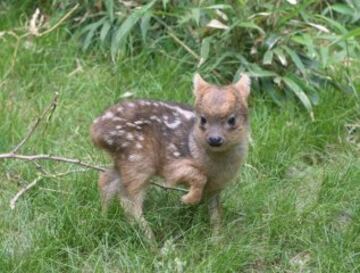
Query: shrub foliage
x=291, y=48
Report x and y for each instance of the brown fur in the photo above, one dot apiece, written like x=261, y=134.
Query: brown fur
x=150, y=138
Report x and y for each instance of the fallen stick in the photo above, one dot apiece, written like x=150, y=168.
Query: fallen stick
x=23, y=190
x=50, y=109
x=51, y=157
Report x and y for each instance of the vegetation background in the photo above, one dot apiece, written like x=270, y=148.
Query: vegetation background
x=295, y=205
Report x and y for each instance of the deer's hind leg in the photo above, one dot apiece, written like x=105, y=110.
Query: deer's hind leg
x=135, y=180
x=109, y=187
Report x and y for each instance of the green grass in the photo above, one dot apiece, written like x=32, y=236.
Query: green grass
x=295, y=206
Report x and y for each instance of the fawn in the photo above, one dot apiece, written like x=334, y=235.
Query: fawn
x=201, y=147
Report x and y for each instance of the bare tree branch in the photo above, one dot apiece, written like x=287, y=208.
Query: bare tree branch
x=168, y=188
x=50, y=109
x=34, y=183
x=67, y=15
x=23, y=190
x=53, y=158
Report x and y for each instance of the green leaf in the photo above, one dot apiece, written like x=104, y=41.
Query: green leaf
x=91, y=26
x=109, y=4
x=220, y=6
x=250, y=25
x=268, y=86
x=257, y=71
x=268, y=57
x=296, y=89
x=351, y=34
x=91, y=32
x=306, y=40
x=281, y=56
x=334, y=24
x=104, y=31
x=324, y=56
x=165, y=3
x=122, y=32
x=343, y=9
x=145, y=25
x=272, y=40
x=309, y=87
x=205, y=49
x=195, y=14
x=296, y=59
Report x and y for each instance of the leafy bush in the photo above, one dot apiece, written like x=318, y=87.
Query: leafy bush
x=290, y=48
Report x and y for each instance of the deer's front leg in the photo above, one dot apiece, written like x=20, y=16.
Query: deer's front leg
x=185, y=171
x=215, y=213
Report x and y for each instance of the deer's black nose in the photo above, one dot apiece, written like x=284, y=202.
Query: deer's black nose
x=215, y=141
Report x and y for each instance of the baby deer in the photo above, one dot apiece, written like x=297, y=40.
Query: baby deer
x=201, y=147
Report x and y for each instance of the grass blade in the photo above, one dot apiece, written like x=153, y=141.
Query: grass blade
x=104, y=31
x=268, y=57
x=297, y=90
x=205, y=49
x=296, y=59
x=145, y=25
x=127, y=25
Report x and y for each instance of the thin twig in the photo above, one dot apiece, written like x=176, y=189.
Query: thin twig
x=188, y=49
x=67, y=15
x=23, y=190
x=168, y=188
x=185, y=46
x=14, y=55
x=51, y=157
x=34, y=183
x=19, y=38
x=50, y=109
x=70, y=161
x=172, y=35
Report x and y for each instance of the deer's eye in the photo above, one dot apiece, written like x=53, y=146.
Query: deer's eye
x=231, y=121
x=203, y=121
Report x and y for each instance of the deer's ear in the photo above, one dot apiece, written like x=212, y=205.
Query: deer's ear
x=199, y=85
x=243, y=86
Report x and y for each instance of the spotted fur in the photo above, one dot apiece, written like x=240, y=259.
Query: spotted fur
x=149, y=138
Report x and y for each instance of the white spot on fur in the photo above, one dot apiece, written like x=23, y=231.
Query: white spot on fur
x=121, y=132
x=108, y=115
x=139, y=122
x=130, y=125
x=174, y=124
x=138, y=145
x=119, y=109
x=186, y=113
x=173, y=148
x=117, y=119
x=129, y=136
x=118, y=127
x=131, y=105
x=124, y=144
x=109, y=140
x=140, y=137
x=155, y=118
x=176, y=154
x=134, y=157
